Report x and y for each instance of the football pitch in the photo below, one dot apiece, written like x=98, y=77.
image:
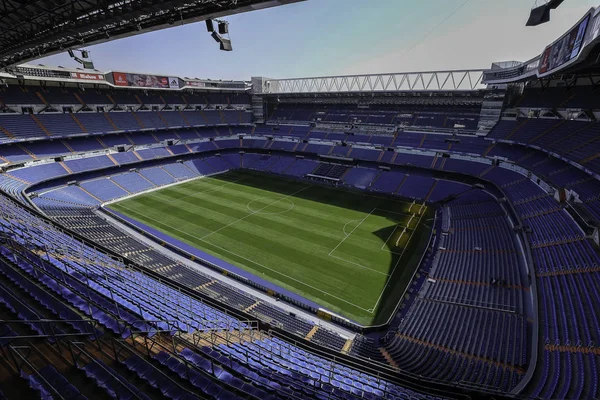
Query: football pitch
x=351, y=252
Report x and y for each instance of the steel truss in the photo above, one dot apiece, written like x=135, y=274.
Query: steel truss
x=459, y=80
x=36, y=28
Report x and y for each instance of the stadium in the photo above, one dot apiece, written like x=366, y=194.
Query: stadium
x=422, y=235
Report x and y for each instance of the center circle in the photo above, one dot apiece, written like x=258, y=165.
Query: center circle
x=270, y=205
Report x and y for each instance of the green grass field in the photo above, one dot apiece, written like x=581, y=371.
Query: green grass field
x=353, y=253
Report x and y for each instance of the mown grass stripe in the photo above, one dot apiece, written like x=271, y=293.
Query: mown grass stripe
x=255, y=223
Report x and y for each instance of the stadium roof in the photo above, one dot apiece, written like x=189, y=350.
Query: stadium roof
x=31, y=29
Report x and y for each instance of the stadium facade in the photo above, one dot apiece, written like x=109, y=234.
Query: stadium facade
x=502, y=299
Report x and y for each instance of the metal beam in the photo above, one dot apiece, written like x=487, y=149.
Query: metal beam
x=457, y=80
x=32, y=29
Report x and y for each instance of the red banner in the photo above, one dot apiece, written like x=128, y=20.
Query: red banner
x=87, y=77
x=120, y=79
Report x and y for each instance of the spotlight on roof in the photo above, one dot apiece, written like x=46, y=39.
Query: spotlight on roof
x=541, y=14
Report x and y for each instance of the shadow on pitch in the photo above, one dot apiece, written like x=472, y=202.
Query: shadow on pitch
x=402, y=264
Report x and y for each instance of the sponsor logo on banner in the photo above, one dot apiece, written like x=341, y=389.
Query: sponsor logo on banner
x=545, y=60
x=596, y=28
x=120, y=79
x=564, y=49
x=173, y=82
x=87, y=77
x=162, y=82
x=194, y=84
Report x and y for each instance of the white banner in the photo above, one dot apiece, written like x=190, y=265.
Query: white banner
x=173, y=83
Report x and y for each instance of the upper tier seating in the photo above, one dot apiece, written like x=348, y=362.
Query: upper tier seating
x=479, y=276
x=559, y=97
x=451, y=117
x=576, y=140
x=15, y=127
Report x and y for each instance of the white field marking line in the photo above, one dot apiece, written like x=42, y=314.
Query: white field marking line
x=389, y=237
x=346, y=224
x=355, y=220
x=159, y=222
x=269, y=213
x=372, y=310
x=287, y=276
x=253, y=262
x=211, y=190
x=255, y=212
x=153, y=194
x=382, y=247
x=348, y=235
x=358, y=265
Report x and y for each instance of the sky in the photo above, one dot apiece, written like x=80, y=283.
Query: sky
x=341, y=37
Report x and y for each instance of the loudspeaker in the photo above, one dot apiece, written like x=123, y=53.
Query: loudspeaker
x=209, y=25
x=223, y=28
x=226, y=45
x=539, y=15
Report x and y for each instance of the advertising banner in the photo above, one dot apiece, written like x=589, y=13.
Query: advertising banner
x=595, y=31
x=143, y=81
x=194, y=84
x=87, y=77
x=173, y=82
x=120, y=79
x=565, y=49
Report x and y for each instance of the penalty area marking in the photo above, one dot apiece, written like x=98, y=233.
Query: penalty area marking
x=389, y=237
x=395, y=266
x=348, y=235
x=358, y=265
x=347, y=223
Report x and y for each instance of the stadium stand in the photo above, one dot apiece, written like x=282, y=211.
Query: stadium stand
x=502, y=302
